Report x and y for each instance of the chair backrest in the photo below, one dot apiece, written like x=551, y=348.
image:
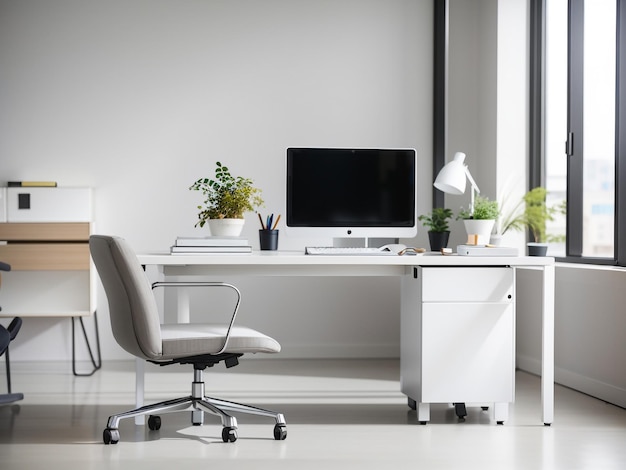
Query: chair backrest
x=132, y=307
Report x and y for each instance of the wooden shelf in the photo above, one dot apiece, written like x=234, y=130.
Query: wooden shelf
x=46, y=256
x=45, y=232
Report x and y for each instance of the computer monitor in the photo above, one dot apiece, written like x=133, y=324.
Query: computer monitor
x=351, y=193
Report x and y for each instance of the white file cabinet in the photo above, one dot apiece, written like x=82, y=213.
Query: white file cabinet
x=458, y=338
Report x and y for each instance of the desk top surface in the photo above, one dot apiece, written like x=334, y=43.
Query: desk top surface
x=298, y=258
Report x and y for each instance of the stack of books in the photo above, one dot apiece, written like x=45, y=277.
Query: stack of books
x=210, y=245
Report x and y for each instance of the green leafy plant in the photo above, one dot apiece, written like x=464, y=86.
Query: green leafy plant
x=484, y=209
x=226, y=196
x=537, y=213
x=533, y=212
x=437, y=220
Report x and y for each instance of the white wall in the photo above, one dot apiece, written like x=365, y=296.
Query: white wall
x=590, y=329
x=488, y=100
x=139, y=98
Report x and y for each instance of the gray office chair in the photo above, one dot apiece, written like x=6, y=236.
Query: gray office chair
x=136, y=327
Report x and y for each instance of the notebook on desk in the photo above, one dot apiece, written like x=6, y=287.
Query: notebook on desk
x=486, y=250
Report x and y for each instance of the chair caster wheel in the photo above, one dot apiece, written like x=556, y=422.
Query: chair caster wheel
x=154, y=423
x=280, y=432
x=111, y=436
x=229, y=434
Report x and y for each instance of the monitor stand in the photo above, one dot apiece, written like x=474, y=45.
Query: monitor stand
x=343, y=242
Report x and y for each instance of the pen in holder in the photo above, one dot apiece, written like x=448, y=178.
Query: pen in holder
x=268, y=239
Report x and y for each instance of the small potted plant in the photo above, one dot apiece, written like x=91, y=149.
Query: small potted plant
x=438, y=229
x=533, y=212
x=227, y=198
x=480, y=223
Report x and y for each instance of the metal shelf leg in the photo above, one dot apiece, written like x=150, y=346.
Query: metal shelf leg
x=96, y=362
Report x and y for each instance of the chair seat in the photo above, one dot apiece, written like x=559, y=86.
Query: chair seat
x=189, y=339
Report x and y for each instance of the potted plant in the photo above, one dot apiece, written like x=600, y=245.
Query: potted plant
x=227, y=198
x=479, y=224
x=533, y=212
x=438, y=229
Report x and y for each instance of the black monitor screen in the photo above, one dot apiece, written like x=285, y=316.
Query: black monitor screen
x=350, y=187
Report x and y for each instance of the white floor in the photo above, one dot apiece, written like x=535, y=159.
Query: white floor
x=341, y=414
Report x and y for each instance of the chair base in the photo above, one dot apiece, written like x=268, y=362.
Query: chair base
x=198, y=404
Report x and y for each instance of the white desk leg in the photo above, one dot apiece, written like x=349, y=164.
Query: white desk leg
x=182, y=301
x=139, y=389
x=547, y=346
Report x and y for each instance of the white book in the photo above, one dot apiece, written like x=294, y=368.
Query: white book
x=211, y=241
x=209, y=249
x=483, y=250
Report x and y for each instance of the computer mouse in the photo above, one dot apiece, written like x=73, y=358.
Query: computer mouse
x=393, y=247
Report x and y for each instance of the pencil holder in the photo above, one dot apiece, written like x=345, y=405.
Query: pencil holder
x=268, y=239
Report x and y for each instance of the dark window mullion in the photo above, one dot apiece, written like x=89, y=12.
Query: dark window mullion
x=537, y=165
x=574, y=244
x=439, y=95
x=620, y=161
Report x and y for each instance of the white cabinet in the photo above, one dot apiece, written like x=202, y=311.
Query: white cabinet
x=45, y=239
x=458, y=337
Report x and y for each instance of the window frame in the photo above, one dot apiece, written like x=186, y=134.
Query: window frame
x=575, y=135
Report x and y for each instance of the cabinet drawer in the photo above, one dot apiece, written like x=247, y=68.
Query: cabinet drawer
x=468, y=352
x=46, y=256
x=467, y=284
x=65, y=232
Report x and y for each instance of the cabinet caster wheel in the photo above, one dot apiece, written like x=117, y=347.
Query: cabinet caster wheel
x=229, y=434
x=280, y=432
x=460, y=410
x=500, y=423
x=154, y=423
x=111, y=436
x=423, y=423
x=412, y=404
x=484, y=408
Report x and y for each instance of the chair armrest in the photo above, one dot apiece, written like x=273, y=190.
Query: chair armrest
x=207, y=284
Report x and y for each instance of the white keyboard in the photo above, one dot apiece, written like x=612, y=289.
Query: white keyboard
x=352, y=250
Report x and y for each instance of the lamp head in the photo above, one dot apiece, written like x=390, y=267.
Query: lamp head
x=453, y=176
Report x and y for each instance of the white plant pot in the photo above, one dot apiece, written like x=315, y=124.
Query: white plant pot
x=226, y=227
x=481, y=228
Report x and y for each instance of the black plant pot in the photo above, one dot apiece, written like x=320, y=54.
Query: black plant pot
x=438, y=240
x=537, y=249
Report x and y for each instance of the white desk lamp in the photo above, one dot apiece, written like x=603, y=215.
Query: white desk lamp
x=452, y=179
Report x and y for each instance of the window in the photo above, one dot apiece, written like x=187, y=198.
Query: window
x=581, y=96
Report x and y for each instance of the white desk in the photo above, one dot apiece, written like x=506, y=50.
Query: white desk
x=277, y=263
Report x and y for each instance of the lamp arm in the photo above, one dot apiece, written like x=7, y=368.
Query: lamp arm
x=474, y=190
